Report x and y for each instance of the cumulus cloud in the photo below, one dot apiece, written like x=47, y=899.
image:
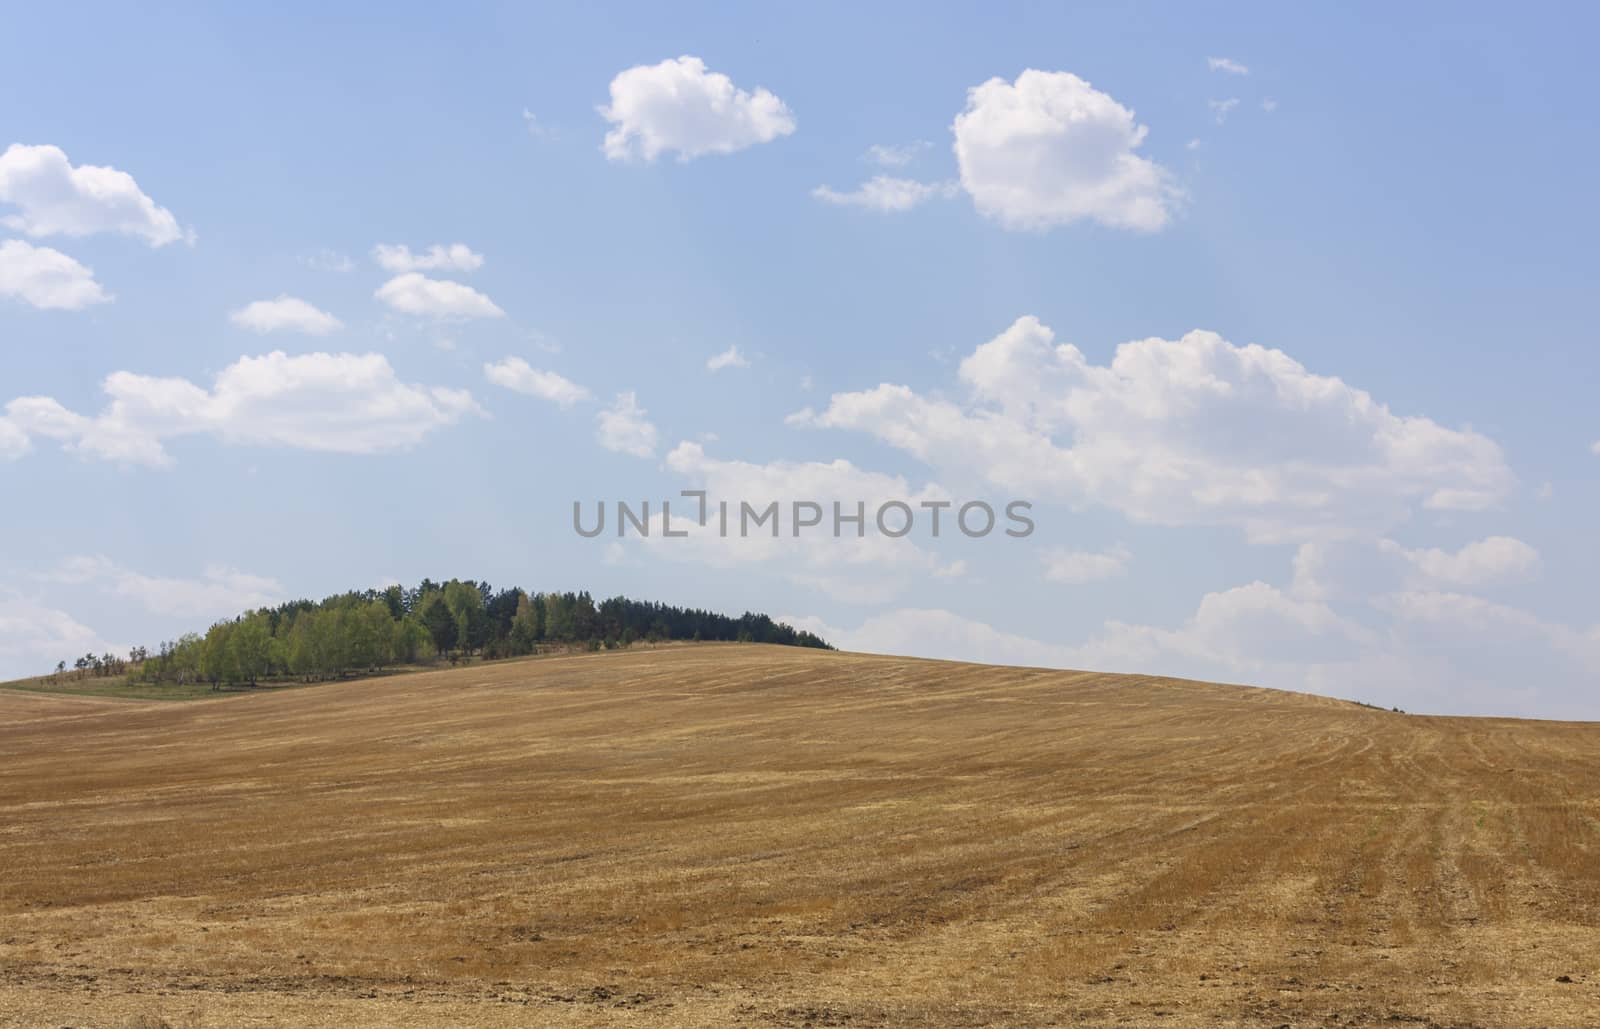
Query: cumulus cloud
x=13, y=441
x=865, y=567
x=220, y=592
x=34, y=636
x=625, y=427
x=1183, y=432
x=285, y=314
x=729, y=358
x=1081, y=566
x=1436, y=651
x=885, y=193
x=1246, y=631
x=938, y=633
x=516, y=374
x=680, y=107
x=1232, y=634
x=416, y=294
x=1049, y=149
x=55, y=198
x=399, y=258
x=1226, y=64
x=1490, y=561
x=1477, y=656
x=339, y=403
x=1355, y=571
x=46, y=278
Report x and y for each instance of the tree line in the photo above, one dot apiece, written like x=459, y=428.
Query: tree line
x=372, y=630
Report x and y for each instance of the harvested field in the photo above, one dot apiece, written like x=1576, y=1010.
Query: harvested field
x=722, y=834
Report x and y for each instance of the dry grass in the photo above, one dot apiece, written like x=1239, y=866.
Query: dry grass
x=721, y=834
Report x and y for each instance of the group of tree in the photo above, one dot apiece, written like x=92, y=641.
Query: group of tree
x=103, y=665
x=373, y=630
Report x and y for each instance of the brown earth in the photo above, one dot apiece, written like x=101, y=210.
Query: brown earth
x=722, y=835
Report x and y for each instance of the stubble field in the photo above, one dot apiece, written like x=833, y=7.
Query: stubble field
x=721, y=834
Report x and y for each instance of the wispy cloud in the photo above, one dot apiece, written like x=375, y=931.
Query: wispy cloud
x=729, y=358
x=896, y=155
x=885, y=194
x=1220, y=109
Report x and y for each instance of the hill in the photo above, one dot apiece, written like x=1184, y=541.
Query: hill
x=731, y=834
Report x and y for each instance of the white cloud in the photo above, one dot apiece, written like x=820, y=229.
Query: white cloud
x=46, y=278
x=1050, y=149
x=1081, y=566
x=1268, y=104
x=625, y=428
x=936, y=633
x=1336, y=632
x=221, y=592
x=897, y=155
x=1486, y=562
x=1226, y=64
x=1443, y=652
x=1220, y=109
x=1244, y=631
x=868, y=567
x=516, y=374
x=416, y=294
x=1183, y=432
x=679, y=107
x=399, y=258
x=56, y=198
x=1594, y=448
x=1485, y=657
x=1355, y=570
x=1193, y=144
x=286, y=313
x=339, y=403
x=328, y=261
x=729, y=358
x=13, y=441
x=34, y=636
x=1232, y=633
x=884, y=193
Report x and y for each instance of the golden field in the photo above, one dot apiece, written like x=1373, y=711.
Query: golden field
x=763, y=836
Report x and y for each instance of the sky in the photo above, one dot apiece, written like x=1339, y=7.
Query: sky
x=1278, y=318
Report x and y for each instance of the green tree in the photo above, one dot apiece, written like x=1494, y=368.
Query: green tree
x=217, y=664
x=251, y=644
x=558, y=616
x=464, y=601
x=440, y=623
x=408, y=640
x=525, y=627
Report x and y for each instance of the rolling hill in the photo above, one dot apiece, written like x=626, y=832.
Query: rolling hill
x=729, y=834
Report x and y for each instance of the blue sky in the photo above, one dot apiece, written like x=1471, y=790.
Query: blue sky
x=1372, y=474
